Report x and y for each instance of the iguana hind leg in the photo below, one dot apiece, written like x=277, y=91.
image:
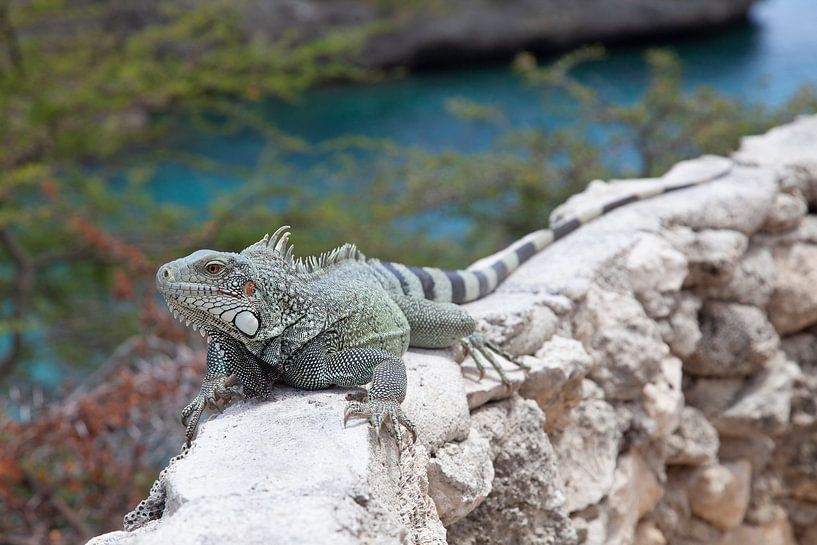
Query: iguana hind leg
x=313, y=368
x=440, y=325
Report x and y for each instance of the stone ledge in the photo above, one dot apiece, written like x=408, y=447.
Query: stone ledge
x=634, y=398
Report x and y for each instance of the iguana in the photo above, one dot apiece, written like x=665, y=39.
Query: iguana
x=338, y=319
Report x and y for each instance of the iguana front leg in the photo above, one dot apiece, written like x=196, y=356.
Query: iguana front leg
x=230, y=367
x=312, y=368
x=441, y=325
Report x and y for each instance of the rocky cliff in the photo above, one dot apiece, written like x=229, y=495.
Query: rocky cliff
x=671, y=396
x=432, y=32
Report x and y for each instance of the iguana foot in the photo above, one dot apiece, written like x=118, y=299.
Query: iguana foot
x=224, y=387
x=484, y=351
x=377, y=411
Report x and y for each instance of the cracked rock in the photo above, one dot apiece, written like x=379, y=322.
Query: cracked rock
x=587, y=452
x=719, y=494
x=656, y=272
x=712, y=255
x=635, y=492
x=786, y=213
x=763, y=406
x=460, y=477
x=527, y=503
x=793, y=305
x=555, y=380
x=681, y=330
x=626, y=345
x=695, y=442
x=751, y=283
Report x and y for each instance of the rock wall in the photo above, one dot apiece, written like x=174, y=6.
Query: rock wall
x=670, y=400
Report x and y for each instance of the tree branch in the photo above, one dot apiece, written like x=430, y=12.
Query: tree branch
x=23, y=283
x=9, y=36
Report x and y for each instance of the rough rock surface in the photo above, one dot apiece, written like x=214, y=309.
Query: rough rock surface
x=527, y=502
x=695, y=441
x=719, y=494
x=737, y=340
x=793, y=305
x=662, y=406
x=460, y=477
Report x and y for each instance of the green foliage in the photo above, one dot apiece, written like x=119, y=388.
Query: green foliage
x=667, y=124
x=82, y=83
x=85, y=98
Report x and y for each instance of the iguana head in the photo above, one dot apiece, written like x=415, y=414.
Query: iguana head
x=240, y=294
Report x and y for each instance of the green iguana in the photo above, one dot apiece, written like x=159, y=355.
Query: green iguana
x=338, y=319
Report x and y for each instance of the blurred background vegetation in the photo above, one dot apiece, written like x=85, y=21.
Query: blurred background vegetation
x=131, y=134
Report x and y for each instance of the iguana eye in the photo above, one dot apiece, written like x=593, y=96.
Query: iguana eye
x=214, y=267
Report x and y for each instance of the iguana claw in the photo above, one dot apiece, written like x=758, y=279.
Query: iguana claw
x=377, y=411
x=481, y=349
x=223, y=388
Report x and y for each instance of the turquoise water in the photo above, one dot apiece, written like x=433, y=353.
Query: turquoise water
x=763, y=60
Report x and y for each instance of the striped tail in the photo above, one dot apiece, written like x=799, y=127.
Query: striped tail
x=483, y=277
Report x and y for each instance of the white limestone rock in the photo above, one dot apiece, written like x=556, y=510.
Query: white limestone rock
x=663, y=400
x=555, y=379
x=787, y=148
x=764, y=405
x=435, y=398
x=719, y=494
x=588, y=452
x=712, y=255
x=793, y=304
x=787, y=211
x=656, y=272
x=626, y=346
x=522, y=324
x=737, y=341
x=277, y=467
x=681, y=330
x=695, y=441
x=479, y=391
x=751, y=283
x=635, y=492
x=527, y=503
x=738, y=202
x=460, y=477
x=553, y=375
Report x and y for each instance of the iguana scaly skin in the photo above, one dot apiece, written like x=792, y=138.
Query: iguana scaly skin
x=339, y=319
